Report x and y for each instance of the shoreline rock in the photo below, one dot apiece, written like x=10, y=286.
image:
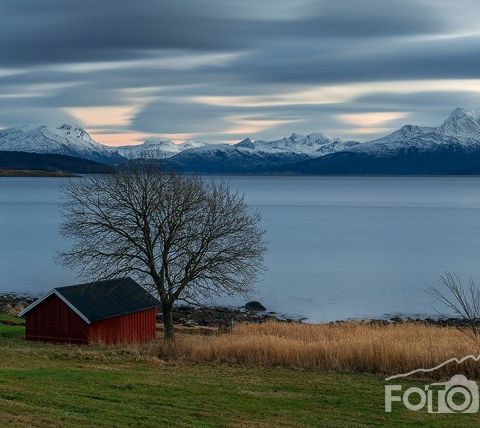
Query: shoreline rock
x=221, y=316
x=434, y=322
x=255, y=306
x=12, y=303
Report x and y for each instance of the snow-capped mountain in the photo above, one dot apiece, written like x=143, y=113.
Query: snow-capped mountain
x=312, y=145
x=309, y=145
x=460, y=128
x=246, y=155
x=157, y=148
x=226, y=158
x=295, y=143
x=461, y=124
x=451, y=148
x=249, y=155
x=66, y=139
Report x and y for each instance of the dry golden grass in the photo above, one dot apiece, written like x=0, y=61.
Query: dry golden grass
x=386, y=349
x=349, y=347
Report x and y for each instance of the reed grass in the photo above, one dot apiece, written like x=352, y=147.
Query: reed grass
x=344, y=347
x=351, y=347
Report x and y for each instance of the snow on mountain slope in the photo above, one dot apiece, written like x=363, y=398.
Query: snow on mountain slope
x=312, y=145
x=288, y=149
x=226, y=158
x=295, y=143
x=66, y=139
x=334, y=146
x=250, y=156
x=459, y=129
x=157, y=148
x=461, y=124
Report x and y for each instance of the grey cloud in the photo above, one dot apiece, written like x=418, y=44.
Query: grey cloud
x=417, y=100
x=369, y=18
x=364, y=61
x=65, y=31
x=32, y=116
x=170, y=116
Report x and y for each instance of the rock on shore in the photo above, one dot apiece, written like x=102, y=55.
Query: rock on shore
x=12, y=303
x=221, y=317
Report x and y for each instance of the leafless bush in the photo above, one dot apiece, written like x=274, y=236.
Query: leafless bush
x=463, y=299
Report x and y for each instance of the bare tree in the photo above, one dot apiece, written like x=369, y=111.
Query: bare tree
x=462, y=299
x=183, y=237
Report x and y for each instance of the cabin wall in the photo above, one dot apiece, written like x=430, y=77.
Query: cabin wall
x=137, y=327
x=53, y=321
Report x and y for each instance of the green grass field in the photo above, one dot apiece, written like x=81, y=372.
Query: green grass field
x=11, y=326
x=54, y=385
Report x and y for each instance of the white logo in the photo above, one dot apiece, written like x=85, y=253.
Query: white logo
x=457, y=395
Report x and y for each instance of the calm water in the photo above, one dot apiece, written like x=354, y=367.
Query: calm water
x=339, y=247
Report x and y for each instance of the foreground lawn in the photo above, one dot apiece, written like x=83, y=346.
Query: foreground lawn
x=11, y=326
x=51, y=385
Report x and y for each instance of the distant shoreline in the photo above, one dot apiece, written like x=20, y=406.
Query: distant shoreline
x=224, y=316
x=33, y=173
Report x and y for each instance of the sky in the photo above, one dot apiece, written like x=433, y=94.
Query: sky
x=224, y=70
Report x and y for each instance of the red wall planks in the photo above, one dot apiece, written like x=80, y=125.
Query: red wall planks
x=132, y=328
x=53, y=321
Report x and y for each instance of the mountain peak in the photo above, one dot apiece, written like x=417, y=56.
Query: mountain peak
x=246, y=143
x=461, y=123
x=155, y=147
x=459, y=112
x=158, y=141
x=295, y=136
x=67, y=126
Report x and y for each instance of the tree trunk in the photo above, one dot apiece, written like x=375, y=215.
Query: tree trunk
x=168, y=330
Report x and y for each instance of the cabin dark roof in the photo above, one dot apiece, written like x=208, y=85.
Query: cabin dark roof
x=107, y=299
x=95, y=301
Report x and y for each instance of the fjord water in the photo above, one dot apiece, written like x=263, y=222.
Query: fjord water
x=338, y=247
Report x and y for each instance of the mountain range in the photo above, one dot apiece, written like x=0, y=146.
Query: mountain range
x=451, y=148
x=249, y=156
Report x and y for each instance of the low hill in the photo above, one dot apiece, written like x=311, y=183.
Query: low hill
x=33, y=173
x=10, y=160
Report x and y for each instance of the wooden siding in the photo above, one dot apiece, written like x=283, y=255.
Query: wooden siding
x=53, y=321
x=137, y=327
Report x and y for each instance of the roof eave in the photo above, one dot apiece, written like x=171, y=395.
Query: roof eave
x=62, y=298
x=124, y=313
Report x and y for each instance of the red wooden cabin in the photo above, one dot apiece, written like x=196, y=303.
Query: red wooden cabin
x=114, y=311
